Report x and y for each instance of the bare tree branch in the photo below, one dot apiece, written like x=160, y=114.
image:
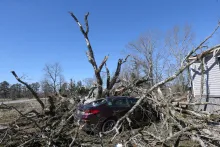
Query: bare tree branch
x=29, y=88
x=103, y=63
x=117, y=72
x=87, y=23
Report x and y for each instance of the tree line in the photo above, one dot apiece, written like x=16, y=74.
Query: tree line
x=17, y=90
x=52, y=84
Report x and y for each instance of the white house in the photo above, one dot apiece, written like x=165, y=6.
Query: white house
x=210, y=79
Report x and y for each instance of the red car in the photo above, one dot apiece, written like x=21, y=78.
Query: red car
x=102, y=115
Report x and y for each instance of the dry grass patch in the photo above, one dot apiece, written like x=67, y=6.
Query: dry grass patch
x=10, y=115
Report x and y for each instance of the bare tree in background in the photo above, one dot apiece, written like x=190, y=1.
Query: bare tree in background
x=147, y=59
x=61, y=82
x=156, y=59
x=89, y=82
x=53, y=73
x=178, y=42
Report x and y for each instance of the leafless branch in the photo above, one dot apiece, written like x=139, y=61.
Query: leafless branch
x=29, y=88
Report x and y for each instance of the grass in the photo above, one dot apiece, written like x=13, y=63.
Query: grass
x=7, y=116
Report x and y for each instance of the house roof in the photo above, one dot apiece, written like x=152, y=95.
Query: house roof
x=214, y=50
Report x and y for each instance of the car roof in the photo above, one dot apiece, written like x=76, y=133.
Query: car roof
x=115, y=97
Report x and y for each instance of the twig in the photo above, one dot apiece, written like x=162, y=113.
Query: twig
x=26, y=142
x=74, y=137
x=6, y=132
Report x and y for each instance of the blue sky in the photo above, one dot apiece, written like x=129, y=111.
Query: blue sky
x=36, y=32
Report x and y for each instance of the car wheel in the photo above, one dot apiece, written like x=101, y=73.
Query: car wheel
x=108, y=125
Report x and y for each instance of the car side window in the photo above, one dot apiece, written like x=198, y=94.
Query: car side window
x=120, y=103
x=132, y=101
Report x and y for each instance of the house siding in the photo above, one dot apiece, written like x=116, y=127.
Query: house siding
x=213, y=76
x=211, y=88
x=196, y=79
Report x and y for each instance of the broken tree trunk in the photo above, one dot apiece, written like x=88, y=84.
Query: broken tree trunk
x=90, y=54
x=91, y=58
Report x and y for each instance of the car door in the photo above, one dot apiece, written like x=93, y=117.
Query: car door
x=120, y=106
x=137, y=114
